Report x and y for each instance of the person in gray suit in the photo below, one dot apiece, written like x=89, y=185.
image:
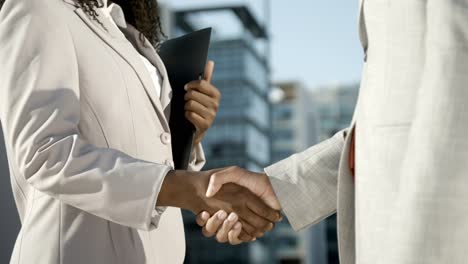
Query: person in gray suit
x=84, y=105
x=397, y=177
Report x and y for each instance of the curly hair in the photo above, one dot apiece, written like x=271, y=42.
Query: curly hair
x=142, y=14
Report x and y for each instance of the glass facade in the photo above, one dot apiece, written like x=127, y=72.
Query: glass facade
x=239, y=136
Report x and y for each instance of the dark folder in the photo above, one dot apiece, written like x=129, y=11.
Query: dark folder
x=185, y=59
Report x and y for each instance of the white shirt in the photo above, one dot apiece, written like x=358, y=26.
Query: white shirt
x=153, y=71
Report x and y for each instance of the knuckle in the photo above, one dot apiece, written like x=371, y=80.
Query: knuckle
x=259, y=234
x=200, y=222
x=234, y=168
x=220, y=239
x=269, y=226
x=213, y=112
x=206, y=233
x=266, y=227
x=216, y=106
x=215, y=178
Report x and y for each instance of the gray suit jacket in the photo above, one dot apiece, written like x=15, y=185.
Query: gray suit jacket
x=408, y=202
x=87, y=138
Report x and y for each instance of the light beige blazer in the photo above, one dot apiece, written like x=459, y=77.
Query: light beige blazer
x=408, y=203
x=87, y=138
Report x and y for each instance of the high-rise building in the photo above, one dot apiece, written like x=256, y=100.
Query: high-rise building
x=295, y=128
x=295, y=123
x=241, y=133
x=335, y=107
x=9, y=222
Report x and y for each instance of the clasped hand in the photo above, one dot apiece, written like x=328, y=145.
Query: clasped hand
x=244, y=207
x=228, y=230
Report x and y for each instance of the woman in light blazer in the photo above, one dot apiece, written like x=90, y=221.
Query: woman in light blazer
x=84, y=104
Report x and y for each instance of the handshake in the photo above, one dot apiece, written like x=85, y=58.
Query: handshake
x=233, y=204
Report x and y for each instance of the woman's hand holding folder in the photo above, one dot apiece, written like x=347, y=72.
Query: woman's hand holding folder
x=202, y=103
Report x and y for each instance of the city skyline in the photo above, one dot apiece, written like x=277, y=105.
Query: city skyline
x=314, y=42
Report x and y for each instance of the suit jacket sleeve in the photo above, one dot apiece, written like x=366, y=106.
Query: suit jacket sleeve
x=306, y=183
x=431, y=218
x=40, y=111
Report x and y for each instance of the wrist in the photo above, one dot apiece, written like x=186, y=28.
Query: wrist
x=183, y=190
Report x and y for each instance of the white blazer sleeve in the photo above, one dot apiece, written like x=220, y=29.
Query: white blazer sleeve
x=306, y=183
x=40, y=112
x=431, y=218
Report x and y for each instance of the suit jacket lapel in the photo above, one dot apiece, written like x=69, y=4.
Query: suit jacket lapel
x=149, y=52
x=166, y=89
x=362, y=29
x=117, y=41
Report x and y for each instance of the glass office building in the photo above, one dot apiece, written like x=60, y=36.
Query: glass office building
x=241, y=132
x=295, y=128
x=336, y=107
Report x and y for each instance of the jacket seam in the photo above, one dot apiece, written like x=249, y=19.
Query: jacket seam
x=84, y=95
x=26, y=220
x=129, y=103
x=98, y=121
x=77, y=68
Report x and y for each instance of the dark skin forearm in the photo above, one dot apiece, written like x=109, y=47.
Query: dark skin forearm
x=183, y=190
x=186, y=190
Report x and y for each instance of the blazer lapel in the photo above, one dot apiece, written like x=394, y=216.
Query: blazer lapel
x=149, y=52
x=166, y=89
x=346, y=206
x=116, y=39
x=362, y=29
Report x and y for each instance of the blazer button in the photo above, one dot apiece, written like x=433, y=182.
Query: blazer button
x=170, y=163
x=166, y=138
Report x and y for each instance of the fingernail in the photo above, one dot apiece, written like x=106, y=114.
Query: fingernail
x=238, y=226
x=232, y=217
x=205, y=216
x=222, y=215
x=186, y=87
x=254, y=239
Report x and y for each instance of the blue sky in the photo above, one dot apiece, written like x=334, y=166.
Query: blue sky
x=313, y=41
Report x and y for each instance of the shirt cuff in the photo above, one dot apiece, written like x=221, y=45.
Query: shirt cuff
x=158, y=211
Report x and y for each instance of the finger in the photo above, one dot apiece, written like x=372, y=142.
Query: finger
x=233, y=235
x=263, y=210
x=251, y=230
x=214, y=223
x=202, y=218
x=202, y=98
x=203, y=87
x=209, y=68
x=199, y=109
x=228, y=225
x=218, y=179
x=244, y=236
x=259, y=223
x=198, y=121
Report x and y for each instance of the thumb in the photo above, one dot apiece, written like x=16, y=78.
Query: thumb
x=216, y=182
x=209, y=68
x=219, y=178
